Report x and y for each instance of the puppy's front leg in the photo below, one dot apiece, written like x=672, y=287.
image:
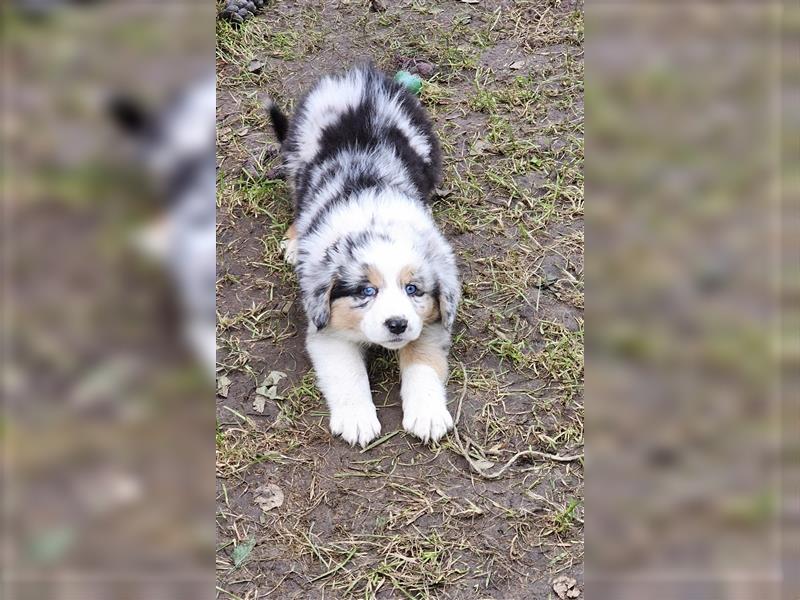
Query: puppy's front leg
x=342, y=377
x=423, y=370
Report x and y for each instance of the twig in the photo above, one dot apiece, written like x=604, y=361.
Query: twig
x=234, y=596
x=497, y=474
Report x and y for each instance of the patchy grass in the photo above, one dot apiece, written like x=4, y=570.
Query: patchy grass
x=402, y=519
x=562, y=356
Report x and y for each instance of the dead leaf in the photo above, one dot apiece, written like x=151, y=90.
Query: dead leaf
x=483, y=464
x=442, y=192
x=566, y=587
x=274, y=377
x=496, y=449
x=268, y=390
x=517, y=65
x=255, y=66
x=223, y=384
x=480, y=147
x=269, y=496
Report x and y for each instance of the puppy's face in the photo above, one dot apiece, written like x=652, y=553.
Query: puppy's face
x=386, y=300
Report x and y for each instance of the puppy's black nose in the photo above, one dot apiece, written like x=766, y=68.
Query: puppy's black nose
x=396, y=325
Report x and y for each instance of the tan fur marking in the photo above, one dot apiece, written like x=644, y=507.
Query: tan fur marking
x=424, y=352
x=430, y=310
x=374, y=276
x=343, y=316
x=406, y=276
x=291, y=233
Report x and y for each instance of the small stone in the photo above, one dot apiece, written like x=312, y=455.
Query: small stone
x=223, y=385
x=425, y=69
x=250, y=168
x=237, y=11
x=275, y=172
x=480, y=147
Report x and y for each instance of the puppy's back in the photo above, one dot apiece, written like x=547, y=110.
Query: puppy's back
x=363, y=124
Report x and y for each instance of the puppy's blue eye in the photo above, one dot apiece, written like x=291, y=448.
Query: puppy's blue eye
x=411, y=289
x=369, y=291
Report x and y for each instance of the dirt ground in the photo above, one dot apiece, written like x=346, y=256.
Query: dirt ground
x=404, y=519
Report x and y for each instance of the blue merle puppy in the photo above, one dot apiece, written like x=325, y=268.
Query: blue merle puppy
x=176, y=147
x=362, y=160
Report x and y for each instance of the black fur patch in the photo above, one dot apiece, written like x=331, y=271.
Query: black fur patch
x=356, y=133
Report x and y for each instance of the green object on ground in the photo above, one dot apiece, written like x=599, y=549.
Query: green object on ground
x=412, y=82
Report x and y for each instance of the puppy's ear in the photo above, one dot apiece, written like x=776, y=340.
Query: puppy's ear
x=449, y=287
x=318, y=304
x=449, y=295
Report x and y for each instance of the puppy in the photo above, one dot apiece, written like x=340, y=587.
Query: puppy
x=176, y=148
x=362, y=160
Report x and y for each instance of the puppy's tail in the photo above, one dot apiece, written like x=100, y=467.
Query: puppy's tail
x=280, y=123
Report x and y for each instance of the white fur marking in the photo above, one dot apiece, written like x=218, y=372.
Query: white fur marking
x=342, y=377
x=425, y=413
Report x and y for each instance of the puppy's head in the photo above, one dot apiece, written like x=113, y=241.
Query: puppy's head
x=389, y=288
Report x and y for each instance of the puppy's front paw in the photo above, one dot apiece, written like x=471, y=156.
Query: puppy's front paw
x=356, y=424
x=289, y=247
x=427, y=422
x=425, y=413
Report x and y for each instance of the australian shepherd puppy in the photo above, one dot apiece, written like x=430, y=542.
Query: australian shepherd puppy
x=176, y=147
x=362, y=160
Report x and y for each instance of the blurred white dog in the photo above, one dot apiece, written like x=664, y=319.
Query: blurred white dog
x=177, y=147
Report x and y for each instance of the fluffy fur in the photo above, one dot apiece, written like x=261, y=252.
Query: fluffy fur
x=362, y=160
